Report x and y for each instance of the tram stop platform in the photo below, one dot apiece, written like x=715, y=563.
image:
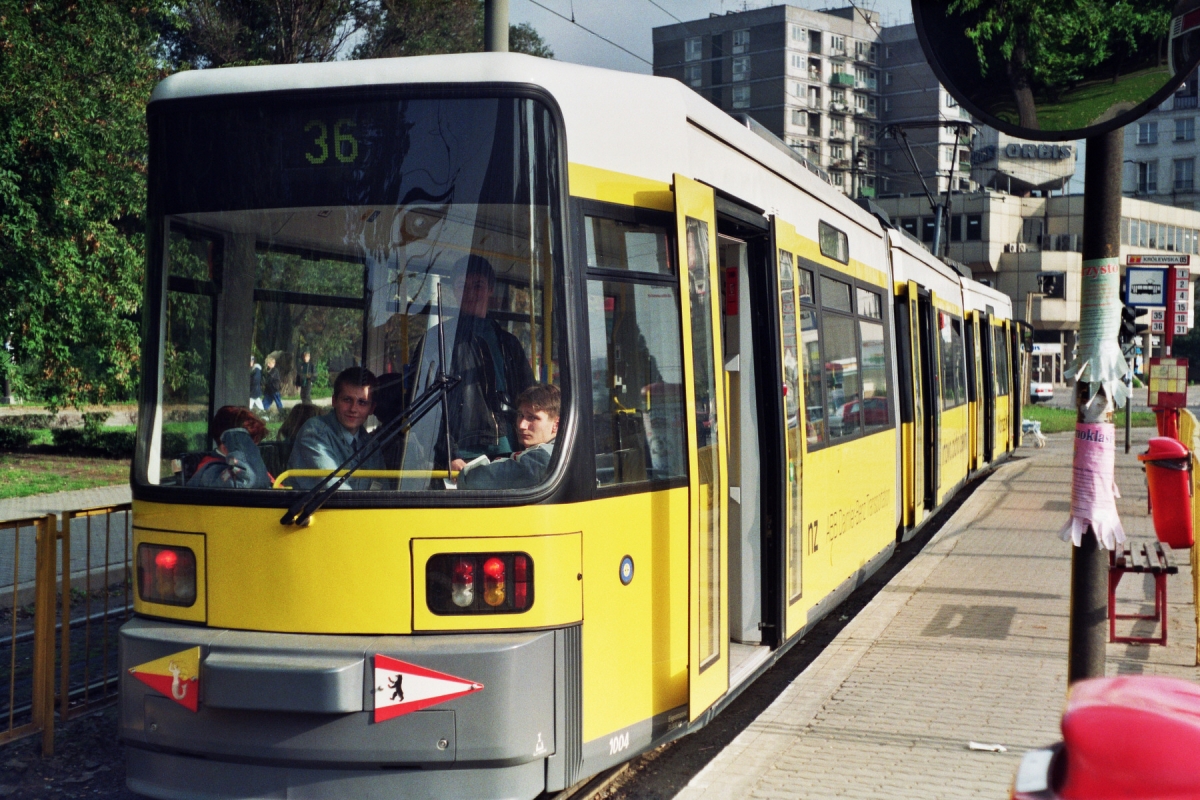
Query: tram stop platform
x=968, y=643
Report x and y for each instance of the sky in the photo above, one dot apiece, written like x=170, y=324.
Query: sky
x=628, y=23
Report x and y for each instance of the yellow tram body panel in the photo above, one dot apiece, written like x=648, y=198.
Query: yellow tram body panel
x=955, y=437
x=849, y=515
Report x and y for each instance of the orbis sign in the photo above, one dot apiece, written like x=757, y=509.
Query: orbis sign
x=1051, y=152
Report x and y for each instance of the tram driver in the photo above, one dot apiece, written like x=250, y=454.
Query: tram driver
x=328, y=440
x=537, y=425
x=491, y=363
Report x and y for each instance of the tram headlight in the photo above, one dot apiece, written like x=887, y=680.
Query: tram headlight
x=493, y=581
x=479, y=583
x=166, y=574
x=462, y=586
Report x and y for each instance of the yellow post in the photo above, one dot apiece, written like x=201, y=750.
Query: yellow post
x=45, y=611
x=1189, y=437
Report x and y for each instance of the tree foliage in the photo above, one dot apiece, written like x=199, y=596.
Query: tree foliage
x=423, y=27
x=212, y=33
x=1047, y=45
x=74, y=80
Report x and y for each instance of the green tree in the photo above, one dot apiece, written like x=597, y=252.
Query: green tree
x=1047, y=45
x=74, y=81
x=425, y=27
x=213, y=33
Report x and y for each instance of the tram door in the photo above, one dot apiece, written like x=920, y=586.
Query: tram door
x=917, y=445
x=975, y=389
x=708, y=482
x=927, y=325
x=989, y=388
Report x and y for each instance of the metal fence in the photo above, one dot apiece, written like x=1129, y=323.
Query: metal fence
x=70, y=590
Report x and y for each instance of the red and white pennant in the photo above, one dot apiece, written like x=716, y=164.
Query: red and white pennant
x=401, y=687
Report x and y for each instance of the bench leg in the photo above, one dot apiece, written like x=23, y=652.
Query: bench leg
x=1160, y=610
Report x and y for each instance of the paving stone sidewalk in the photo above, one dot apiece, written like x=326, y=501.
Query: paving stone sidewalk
x=967, y=643
x=58, y=502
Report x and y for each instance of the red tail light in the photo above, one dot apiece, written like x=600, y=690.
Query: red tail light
x=166, y=575
x=479, y=583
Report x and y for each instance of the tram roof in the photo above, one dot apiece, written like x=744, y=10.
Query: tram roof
x=620, y=121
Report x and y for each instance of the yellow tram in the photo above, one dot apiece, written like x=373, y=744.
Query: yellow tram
x=763, y=387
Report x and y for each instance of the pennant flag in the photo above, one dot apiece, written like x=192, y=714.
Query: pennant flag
x=401, y=687
x=176, y=676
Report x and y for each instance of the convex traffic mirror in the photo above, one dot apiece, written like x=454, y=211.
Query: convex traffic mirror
x=1059, y=69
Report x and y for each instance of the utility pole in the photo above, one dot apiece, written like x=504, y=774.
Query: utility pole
x=1099, y=323
x=495, y=26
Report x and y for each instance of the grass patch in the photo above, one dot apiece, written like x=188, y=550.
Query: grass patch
x=1057, y=420
x=25, y=474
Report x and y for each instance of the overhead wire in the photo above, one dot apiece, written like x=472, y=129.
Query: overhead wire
x=589, y=30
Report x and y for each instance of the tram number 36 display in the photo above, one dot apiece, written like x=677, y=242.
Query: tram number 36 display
x=345, y=146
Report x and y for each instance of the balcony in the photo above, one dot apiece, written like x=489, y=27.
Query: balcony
x=865, y=56
x=814, y=75
x=839, y=108
x=837, y=136
x=1185, y=102
x=870, y=84
x=841, y=79
x=839, y=163
x=862, y=112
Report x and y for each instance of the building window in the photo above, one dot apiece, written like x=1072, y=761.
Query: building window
x=909, y=225
x=1124, y=230
x=887, y=79
x=798, y=61
x=837, y=96
x=837, y=44
x=741, y=97
x=887, y=158
x=887, y=52
x=1184, y=171
x=887, y=104
x=799, y=118
x=814, y=41
x=837, y=125
x=814, y=97
x=814, y=125
x=814, y=150
x=870, y=105
x=741, y=41
x=927, y=226
x=797, y=89
x=691, y=75
x=860, y=101
x=1185, y=129
x=692, y=49
x=837, y=178
x=974, y=227
x=1147, y=133
x=950, y=101
x=741, y=68
x=1147, y=175
x=837, y=152
x=956, y=231
x=797, y=34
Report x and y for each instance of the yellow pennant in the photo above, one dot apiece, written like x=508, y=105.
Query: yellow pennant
x=177, y=676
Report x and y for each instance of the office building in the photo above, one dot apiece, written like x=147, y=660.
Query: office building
x=1160, y=151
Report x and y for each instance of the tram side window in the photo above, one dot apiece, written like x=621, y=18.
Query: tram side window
x=953, y=350
x=843, y=394
x=876, y=397
x=810, y=352
x=1000, y=360
x=636, y=353
x=193, y=280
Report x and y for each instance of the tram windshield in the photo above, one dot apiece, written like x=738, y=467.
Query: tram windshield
x=316, y=259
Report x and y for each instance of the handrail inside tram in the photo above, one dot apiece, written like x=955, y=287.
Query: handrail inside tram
x=362, y=473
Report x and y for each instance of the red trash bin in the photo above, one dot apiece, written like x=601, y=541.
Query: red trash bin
x=1169, y=476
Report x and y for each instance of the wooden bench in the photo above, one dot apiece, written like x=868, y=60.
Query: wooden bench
x=1151, y=558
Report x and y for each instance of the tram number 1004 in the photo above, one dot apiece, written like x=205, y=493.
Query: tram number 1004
x=345, y=146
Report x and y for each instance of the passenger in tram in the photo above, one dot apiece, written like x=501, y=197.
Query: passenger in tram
x=328, y=440
x=492, y=364
x=537, y=425
x=300, y=414
x=236, y=463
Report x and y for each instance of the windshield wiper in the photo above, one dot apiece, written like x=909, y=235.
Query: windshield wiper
x=436, y=393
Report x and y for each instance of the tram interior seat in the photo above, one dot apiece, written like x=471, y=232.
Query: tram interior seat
x=622, y=449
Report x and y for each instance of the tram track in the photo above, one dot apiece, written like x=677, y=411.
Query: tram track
x=665, y=770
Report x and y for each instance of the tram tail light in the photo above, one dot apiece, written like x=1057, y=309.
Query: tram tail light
x=479, y=583
x=166, y=574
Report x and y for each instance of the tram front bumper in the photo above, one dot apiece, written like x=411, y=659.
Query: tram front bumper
x=281, y=710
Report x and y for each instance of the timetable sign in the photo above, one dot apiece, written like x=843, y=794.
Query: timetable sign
x=1158, y=320
x=1168, y=382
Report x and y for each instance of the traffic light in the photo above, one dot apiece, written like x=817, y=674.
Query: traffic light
x=1131, y=331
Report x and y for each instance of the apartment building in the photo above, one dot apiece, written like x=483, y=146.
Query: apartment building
x=1160, y=151
x=809, y=77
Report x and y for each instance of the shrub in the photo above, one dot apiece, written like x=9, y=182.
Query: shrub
x=15, y=438
x=28, y=421
x=95, y=441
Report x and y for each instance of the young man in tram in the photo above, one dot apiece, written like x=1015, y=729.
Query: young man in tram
x=328, y=440
x=537, y=425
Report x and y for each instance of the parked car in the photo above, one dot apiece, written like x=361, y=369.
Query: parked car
x=1040, y=391
x=1134, y=737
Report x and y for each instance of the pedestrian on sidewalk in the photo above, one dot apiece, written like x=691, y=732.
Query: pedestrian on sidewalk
x=256, y=385
x=306, y=373
x=274, y=387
